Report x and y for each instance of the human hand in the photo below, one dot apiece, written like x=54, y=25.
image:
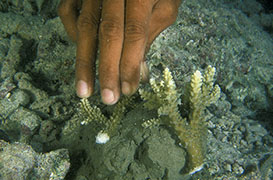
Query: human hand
x=125, y=30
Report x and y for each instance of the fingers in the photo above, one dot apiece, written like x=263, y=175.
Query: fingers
x=87, y=26
x=138, y=14
x=144, y=72
x=121, y=49
x=68, y=13
x=111, y=40
x=164, y=14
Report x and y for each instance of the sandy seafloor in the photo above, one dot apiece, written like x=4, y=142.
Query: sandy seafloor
x=37, y=97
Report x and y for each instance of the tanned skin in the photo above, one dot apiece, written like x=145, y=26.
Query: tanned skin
x=123, y=30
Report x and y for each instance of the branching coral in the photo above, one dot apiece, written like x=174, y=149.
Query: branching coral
x=109, y=125
x=192, y=130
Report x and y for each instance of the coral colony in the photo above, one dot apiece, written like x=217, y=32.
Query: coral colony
x=109, y=125
x=192, y=130
x=163, y=97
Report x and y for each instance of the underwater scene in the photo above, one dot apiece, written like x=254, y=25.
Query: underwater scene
x=205, y=112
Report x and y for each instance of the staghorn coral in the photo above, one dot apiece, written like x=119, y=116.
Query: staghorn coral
x=92, y=114
x=192, y=130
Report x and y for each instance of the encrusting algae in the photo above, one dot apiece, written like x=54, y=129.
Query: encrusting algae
x=192, y=130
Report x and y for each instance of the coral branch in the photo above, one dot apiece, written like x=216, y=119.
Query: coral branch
x=191, y=131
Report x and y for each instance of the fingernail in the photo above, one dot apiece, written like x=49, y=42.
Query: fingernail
x=82, y=89
x=108, y=97
x=126, y=88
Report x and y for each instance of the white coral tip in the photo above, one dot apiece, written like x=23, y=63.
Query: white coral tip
x=198, y=74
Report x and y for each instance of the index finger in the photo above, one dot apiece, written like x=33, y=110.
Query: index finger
x=67, y=10
x=87, y=26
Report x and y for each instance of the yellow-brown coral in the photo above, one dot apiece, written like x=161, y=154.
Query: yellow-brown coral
x=191, y=131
